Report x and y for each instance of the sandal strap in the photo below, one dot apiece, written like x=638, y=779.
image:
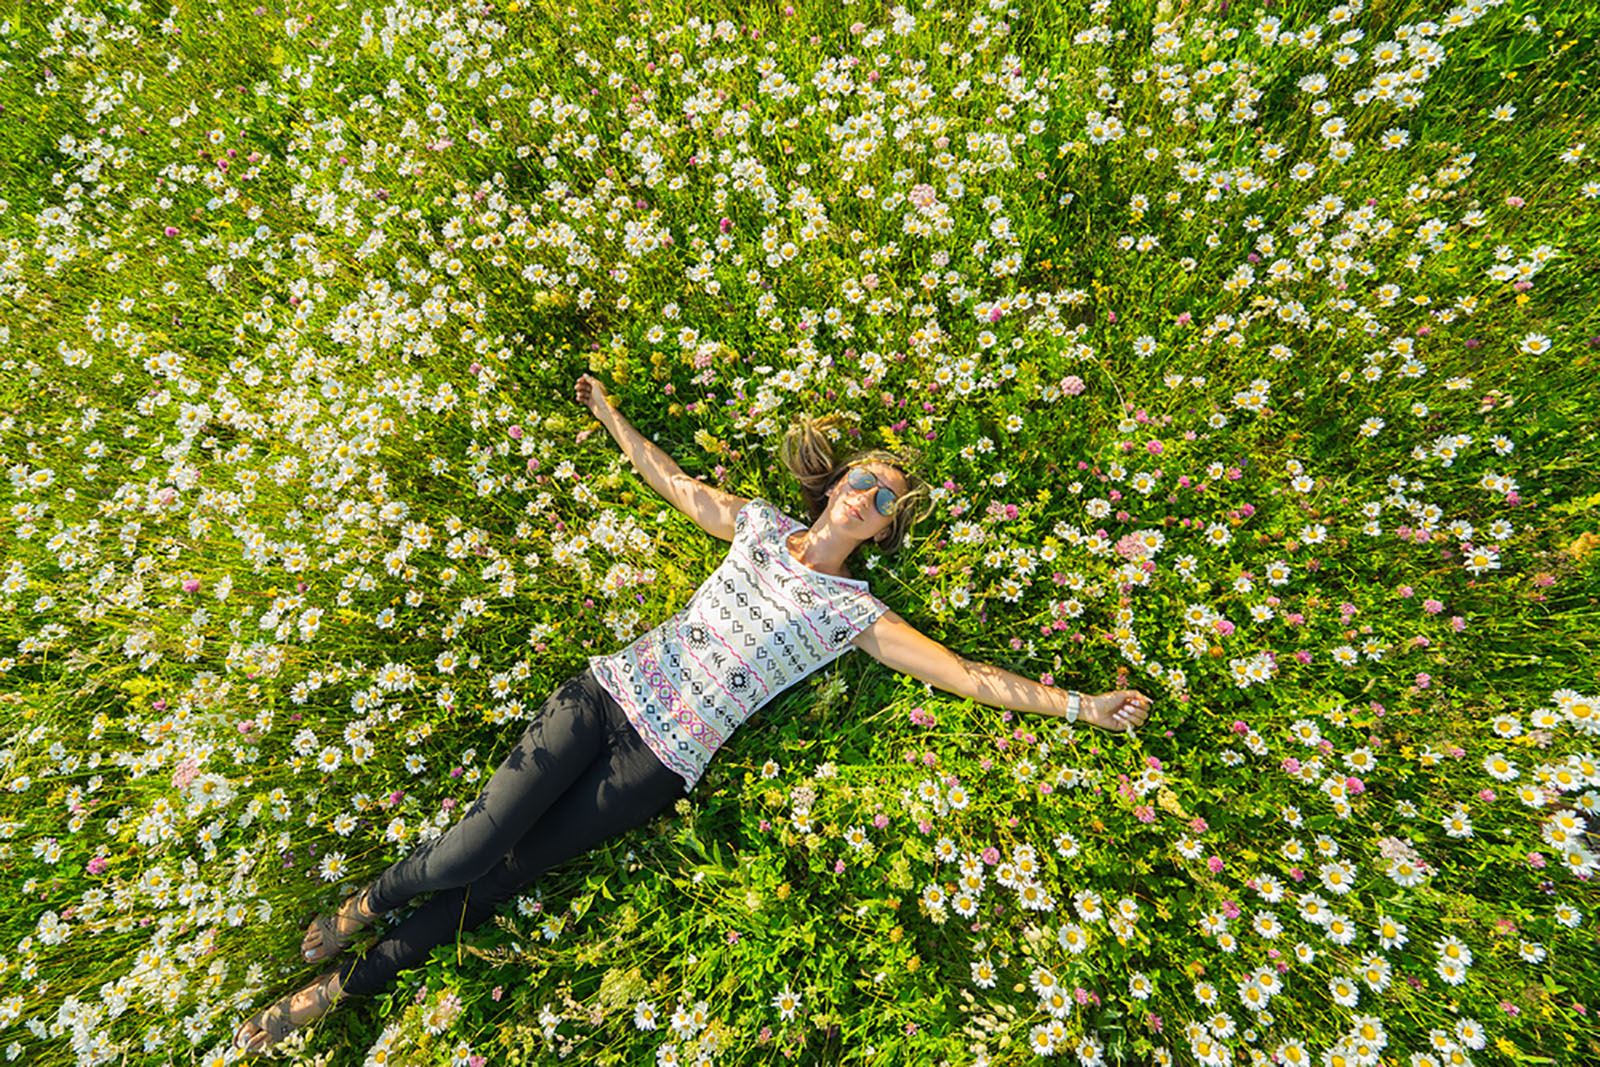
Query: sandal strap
x=328, y=925
x=275, y=1019
x=325, y=999
x=363, y=903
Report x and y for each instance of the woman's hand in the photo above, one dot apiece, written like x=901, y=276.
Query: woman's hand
x=1120, y=711
x=592, y=394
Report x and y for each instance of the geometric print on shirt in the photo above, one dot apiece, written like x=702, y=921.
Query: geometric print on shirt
x=761, y=622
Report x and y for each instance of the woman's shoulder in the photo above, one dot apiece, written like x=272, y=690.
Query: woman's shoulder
x=748, y=509
x=774, y=514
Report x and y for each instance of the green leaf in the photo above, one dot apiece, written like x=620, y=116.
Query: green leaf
x=1576, y=507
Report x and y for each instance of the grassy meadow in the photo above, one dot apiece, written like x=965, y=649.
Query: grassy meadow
x=1254, y=351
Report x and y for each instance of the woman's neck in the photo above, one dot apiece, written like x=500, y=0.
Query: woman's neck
x=822, y=553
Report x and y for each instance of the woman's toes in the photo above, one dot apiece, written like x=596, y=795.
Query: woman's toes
x=244, y=1038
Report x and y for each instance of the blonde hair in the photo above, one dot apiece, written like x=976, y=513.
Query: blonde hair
x=807, y=451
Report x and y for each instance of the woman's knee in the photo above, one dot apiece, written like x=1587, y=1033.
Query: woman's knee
x=467, y=869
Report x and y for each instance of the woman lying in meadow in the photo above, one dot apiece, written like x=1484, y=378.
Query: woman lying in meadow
x=622, y=740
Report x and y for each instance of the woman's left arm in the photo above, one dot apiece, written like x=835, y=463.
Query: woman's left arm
x=901, y=647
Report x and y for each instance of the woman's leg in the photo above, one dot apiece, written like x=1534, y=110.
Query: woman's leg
x=563, y=738
x=625, y=787
x=557, y=746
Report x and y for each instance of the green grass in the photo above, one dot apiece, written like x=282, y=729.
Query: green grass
x=215, y=402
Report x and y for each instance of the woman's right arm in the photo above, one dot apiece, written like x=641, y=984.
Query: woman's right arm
x=653, y=464
x=711, y=509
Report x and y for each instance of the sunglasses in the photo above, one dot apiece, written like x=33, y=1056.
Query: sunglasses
x=884, y=498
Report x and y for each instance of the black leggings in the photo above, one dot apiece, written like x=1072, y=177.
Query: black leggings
x=580, y=774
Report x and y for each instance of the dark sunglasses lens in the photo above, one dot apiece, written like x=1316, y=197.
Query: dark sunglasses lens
x=861, y=478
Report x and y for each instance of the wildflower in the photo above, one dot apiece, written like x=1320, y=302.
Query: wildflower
x=1454, y=949
x=1340, y=930
x=1390, y=933
x=688, y=1021
x=334, y=867
x=787, y=1003
x=1040, y=1042
x=1033, y=897
x=1253, y=996
x=443, y=1014
x=1292, y=1053
x=1500, y=768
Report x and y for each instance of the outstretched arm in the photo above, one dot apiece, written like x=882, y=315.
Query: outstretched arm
x=652, y=462
x=713, y=510
x=898, y=645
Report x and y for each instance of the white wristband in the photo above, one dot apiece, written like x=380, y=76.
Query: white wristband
x=1072, y=705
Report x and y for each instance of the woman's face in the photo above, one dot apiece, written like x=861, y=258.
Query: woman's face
x=855, y=510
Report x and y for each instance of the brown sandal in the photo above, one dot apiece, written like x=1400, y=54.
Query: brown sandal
x=276, y=1020
x=333, y=942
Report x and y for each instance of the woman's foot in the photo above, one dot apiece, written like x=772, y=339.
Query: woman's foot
x=1120, y=711
x=283, y=1017
x=327, y=936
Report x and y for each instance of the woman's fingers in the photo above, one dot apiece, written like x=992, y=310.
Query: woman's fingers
x=590, y=392
x=585, y=391
x=1133, y=710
